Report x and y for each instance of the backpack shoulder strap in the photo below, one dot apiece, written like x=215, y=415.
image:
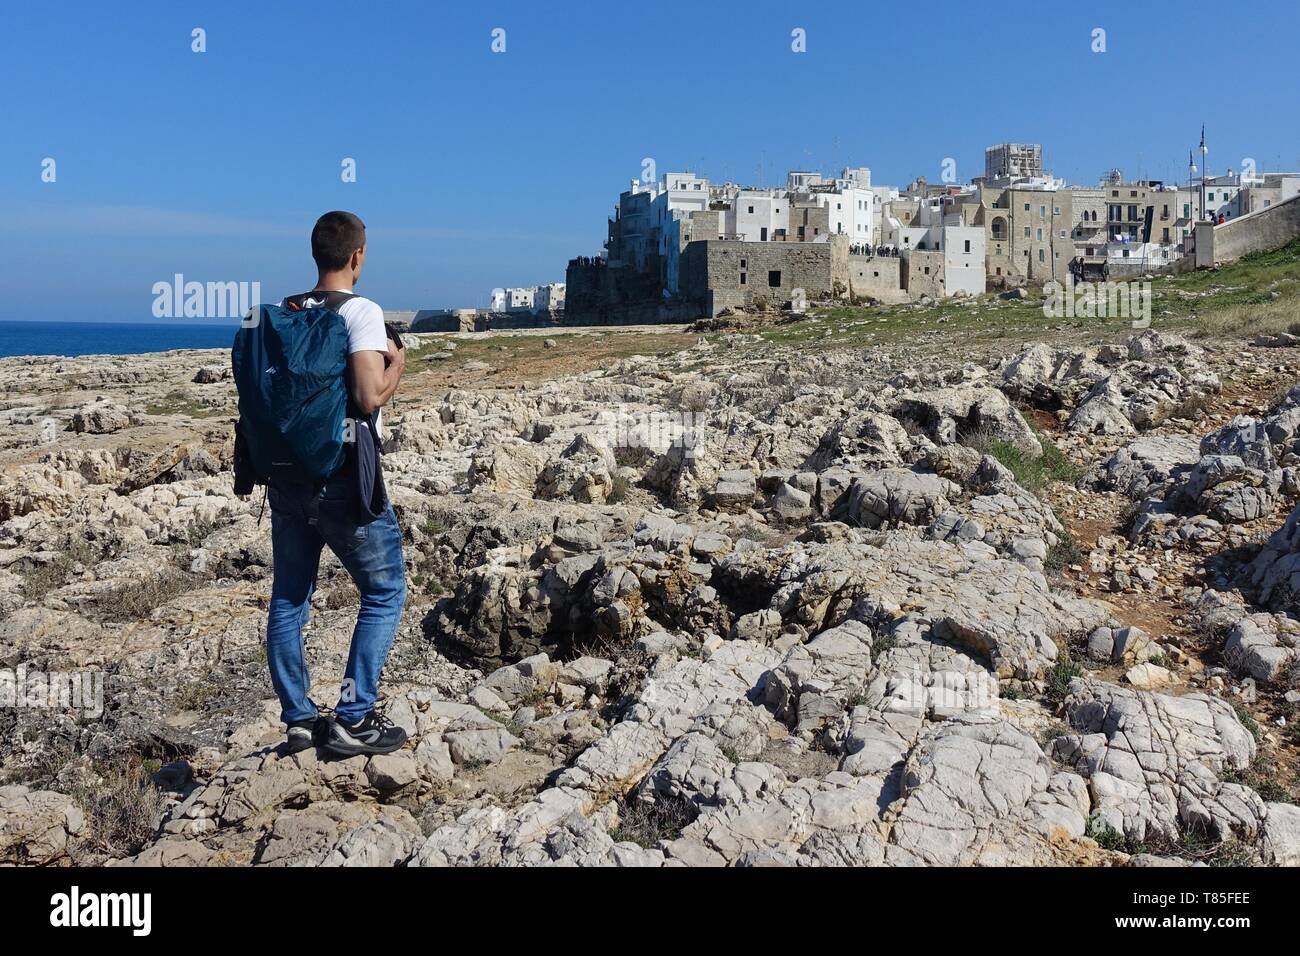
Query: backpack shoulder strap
x=318, y=300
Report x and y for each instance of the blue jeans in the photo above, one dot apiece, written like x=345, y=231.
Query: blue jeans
x=301, y=524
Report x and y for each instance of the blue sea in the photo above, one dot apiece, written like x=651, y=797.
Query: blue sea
x=111, y=338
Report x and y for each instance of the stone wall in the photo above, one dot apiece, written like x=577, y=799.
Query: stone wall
x=1259, y=231
x=444, y=320
x=721, y=274
x=879, y=277
x=922, y=273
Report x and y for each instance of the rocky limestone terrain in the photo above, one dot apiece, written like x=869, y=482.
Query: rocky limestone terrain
x=729, y=604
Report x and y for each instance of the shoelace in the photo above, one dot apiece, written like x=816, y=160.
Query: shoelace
x=382, y=721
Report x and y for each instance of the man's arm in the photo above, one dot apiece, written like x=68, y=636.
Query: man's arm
x=373, y=380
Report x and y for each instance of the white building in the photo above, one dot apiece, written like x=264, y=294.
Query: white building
x=936, y=228
x=549, y=297
x=677, y=196
x=757, y=215
x=963, y=259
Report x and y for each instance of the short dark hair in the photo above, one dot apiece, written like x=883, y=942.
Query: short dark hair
x=336, y=236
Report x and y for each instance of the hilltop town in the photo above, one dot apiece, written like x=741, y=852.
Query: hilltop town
x=681, y=247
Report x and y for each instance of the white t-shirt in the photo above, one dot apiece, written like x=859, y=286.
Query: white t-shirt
x=365, y=324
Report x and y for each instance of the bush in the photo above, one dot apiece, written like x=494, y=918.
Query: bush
x=1034, y=472
x=645, y=825
x=1063, y=671
x=618, y=490
x=1064, y=553
x=136, y=600
x=122, y=807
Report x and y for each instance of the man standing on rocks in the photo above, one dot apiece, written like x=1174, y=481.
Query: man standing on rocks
x=305, y=518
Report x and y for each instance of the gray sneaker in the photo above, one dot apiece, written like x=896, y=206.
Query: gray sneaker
x=372, y=734
x=302, y=734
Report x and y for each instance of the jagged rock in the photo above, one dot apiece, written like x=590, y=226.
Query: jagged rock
x=36, y=826
x=1275, y=571
x=735, y=491
x=1153, y=761
x=211, y=374
x=1118, y=644
x=100, y=418
x=948, y=415
x=1281, y=843
x=1254, y=647
x=897, y=496
x=1145, y=464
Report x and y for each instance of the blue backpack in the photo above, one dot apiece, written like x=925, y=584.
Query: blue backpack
x=289, y=363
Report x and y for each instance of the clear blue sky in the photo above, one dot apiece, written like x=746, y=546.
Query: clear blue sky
x=477, y=169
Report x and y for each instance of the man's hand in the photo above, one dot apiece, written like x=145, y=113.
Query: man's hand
x=374, y=377
x=395, y=358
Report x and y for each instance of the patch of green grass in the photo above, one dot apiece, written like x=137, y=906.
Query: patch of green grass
x=1107, y=837
x=1247, y=721
x=1034, y=472
x=181, y=403
x=1057, y=728
x=1064, y=553
x=1063, y=671
x=882, y=643
x=1262, y=777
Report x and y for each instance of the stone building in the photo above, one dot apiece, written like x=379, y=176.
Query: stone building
x=722, y=274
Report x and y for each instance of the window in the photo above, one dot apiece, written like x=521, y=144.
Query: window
x=1026, y=207
x=1132, y=213
x=1056, y=210
x=1062, y=233
x=1133, y=193
x=751, y=210
x=1041, y=256
x=1042, y=212
x=927, y=270
x=968, y=245
x=774, y=278
x=742, y=278
x=1039, y=237
x=742, y=263
x=1114, y=193
x=1211, y=197
x=1187, y=210
x=1026, y=232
